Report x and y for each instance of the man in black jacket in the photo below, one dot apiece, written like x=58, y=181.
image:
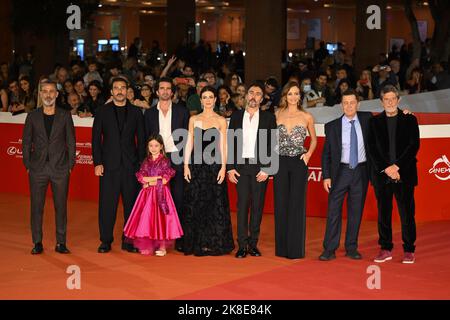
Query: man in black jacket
x=247, y=169
x=118, y=148
x=393, y=145
x=165, y=119
x=49, y=156
x=345, y=171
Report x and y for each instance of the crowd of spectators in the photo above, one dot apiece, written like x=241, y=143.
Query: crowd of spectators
x=84, y=85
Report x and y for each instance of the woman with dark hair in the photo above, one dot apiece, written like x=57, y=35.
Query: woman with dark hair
x=415, y=83
x=343, y=85
x=146, y=100
x=225, y=104
x=206, y=222
x=233, y=80
x=290, y=183
x=27, y=94
x=3, y=99
x=68, y=88
x=94, y=100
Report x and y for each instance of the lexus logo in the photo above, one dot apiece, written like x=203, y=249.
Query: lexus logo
x=12, y=151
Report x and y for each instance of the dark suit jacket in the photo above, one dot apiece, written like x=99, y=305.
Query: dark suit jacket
x=267, y=121
x=60, y=147
x=180, y=120
x=407, y=145
x=332, y=150
x=112, y=149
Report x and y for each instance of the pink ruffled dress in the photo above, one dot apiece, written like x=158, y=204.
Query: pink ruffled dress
x=154, y=220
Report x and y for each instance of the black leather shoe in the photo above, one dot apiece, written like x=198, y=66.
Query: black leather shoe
x=38, y=248
x=61, y=248
x=327, y=256
x=355, y=255
x=179, y=245
x=179, y=249
x=129, y=247
x=241, y=253
x=254, y=252
x=104, y=247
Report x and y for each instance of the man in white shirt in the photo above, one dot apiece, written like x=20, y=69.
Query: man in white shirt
x=250, y=175
x=164, y=120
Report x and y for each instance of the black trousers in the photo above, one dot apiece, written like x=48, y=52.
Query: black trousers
x=404, y=195
x=177, y=191
x=59, y=182
x=250, y=195
x=290, y=184
x=112, y=185
x=354, y=183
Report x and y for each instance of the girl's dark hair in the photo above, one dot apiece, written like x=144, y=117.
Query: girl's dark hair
x=159, y=139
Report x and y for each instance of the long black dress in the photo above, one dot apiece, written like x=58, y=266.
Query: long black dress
x=207, y=222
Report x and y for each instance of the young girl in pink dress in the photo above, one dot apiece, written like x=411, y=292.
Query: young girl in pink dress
x=153, y=223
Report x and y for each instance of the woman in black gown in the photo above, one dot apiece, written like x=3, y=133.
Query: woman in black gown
x=207, y=222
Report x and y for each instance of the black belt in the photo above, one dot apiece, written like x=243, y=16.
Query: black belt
x=346, y=165
x=248, y=160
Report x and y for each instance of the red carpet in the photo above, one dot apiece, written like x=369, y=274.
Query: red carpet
x=121, y=275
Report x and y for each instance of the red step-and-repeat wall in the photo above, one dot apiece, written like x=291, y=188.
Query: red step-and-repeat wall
x=432, y=195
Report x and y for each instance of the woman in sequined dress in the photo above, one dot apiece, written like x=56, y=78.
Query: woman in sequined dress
x=290, y=183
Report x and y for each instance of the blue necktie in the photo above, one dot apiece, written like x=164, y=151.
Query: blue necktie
x=353, y=146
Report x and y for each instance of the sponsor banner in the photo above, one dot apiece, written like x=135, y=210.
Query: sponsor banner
x=432, y=202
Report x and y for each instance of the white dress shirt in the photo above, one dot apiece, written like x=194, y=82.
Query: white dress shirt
x=165, y=129
x=250, y=133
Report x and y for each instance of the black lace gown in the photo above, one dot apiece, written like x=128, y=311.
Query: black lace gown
x=206, y=222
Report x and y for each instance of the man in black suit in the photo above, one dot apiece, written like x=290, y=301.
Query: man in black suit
x=249, y=129
x=345, y=171
x=165, y=119
x=393, y=145
x=49, y=155
x=118, y=148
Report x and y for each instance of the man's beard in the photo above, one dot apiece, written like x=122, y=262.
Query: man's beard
x=164, y=98
x=48, y=102
x=119, y=98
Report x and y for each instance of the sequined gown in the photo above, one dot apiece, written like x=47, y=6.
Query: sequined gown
x=290, y=194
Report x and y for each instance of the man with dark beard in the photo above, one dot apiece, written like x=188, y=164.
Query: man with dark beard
x=118, y=148
x=246, y=168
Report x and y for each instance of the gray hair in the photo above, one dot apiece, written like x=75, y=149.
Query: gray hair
x=389, y=88
x=48, y=82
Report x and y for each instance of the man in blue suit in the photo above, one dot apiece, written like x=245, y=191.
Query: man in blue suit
x=345, y=171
